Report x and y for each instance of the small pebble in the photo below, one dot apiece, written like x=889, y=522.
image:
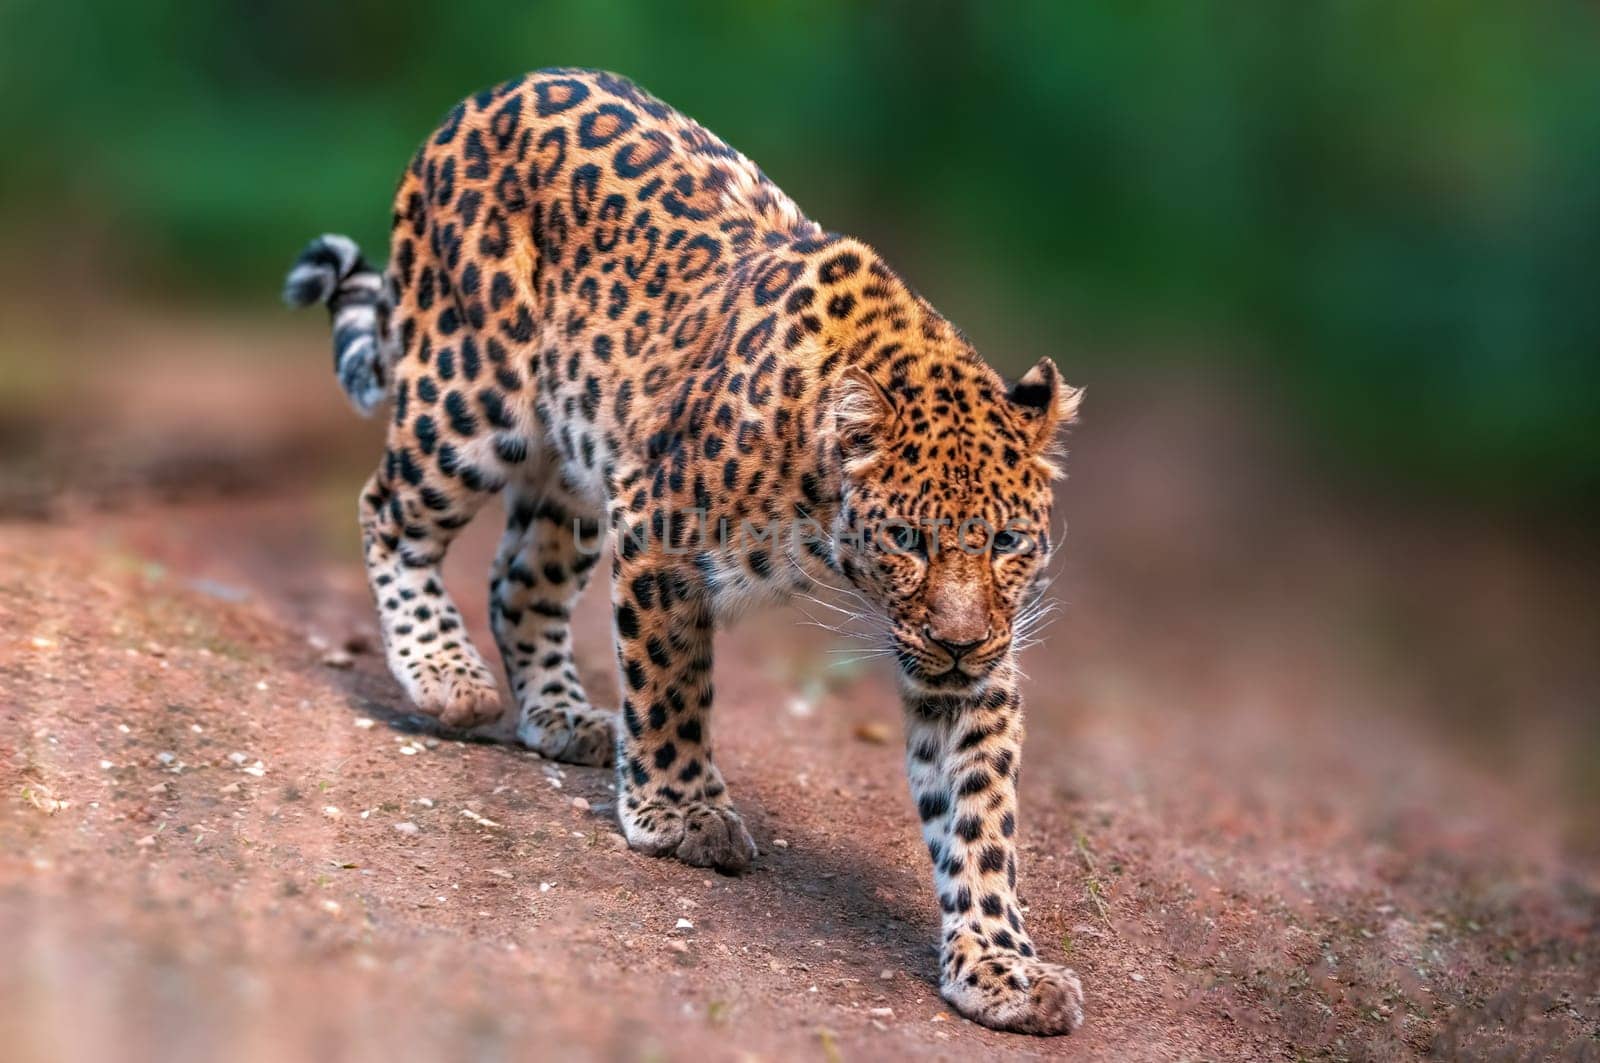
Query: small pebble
x=338, y=659
x=331, y=811
x=881, y=1013
x=366, y=723
x=406, y=827
x=780, y=843
x=886, y=975
x=875, y=733
x=581, y=804
x=684, y=924
x=678, y=945
x=41, y=798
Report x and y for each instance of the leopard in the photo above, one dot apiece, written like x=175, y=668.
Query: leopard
x=596, y=309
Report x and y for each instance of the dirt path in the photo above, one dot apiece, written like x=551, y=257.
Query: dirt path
x=1242, y=824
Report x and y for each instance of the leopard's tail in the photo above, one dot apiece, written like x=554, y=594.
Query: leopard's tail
x=331, y=271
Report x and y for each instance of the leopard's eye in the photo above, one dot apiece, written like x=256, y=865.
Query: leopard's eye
x=904, y=539
x=1010, y=542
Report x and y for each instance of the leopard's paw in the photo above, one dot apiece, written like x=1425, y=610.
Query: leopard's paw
x=469, y=699
x=1007, y=991
x=695, y=832
x=576, y=734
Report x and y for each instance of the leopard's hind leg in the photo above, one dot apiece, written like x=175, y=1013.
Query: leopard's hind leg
x=462, y=426
x=409, y=515
x=448, y=448
x=552, y=542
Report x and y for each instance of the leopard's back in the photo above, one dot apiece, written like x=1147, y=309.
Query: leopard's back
x=575, y=261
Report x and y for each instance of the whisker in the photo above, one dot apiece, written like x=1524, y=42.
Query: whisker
x=845, y=662
x=827, y=605
x=846, y=632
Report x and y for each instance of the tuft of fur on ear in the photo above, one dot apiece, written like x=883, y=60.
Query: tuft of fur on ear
x=1046, y=404
x=861, y=411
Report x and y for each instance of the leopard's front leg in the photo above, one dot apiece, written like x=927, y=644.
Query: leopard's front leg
x=670, y=796
x=961, y=757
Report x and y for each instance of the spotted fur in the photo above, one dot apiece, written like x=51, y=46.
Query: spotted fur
x=598, y=310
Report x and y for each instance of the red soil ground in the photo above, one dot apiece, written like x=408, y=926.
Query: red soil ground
x=1306, y=777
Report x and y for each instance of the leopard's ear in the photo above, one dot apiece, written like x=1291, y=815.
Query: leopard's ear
x=862, y=411
x=1045, y=402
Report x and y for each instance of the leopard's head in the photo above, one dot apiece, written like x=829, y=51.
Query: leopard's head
x=945, y=516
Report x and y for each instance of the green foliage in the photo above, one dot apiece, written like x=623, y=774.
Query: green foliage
x=1398, y=202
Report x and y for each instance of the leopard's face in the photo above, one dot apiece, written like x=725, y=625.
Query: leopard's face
x=946, y=515
x=949, y=577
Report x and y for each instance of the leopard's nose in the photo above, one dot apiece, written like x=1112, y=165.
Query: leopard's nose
x=956, y=650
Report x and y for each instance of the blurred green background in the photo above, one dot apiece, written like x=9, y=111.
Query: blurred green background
x=1388, y=212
